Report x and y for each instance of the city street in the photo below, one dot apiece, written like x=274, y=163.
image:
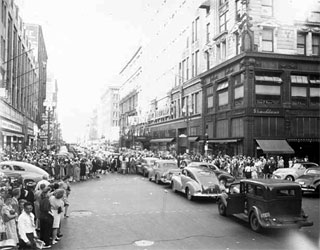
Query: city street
x=129, y=212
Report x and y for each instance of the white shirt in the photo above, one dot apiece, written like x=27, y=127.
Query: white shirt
x=26, y=225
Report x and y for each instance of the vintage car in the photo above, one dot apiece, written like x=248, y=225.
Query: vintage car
x=145, y=165
x=294, y=172
x=163, y=171
x=224, y=177
x=26, y=170
x=196, y=182
x=265, y=203
x=310, y=180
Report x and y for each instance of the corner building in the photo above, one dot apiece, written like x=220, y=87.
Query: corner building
x=264, y=98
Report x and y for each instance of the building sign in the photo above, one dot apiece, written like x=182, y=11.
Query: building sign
x=266, y=111
x=11, y=126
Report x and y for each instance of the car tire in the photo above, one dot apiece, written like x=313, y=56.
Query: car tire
x=289, y=178
x=254, y=223
x=317, y=191
x=150, y=178
x=222, y=208
x=156, y=180
x=188, y=194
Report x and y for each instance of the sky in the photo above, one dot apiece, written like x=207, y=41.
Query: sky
x=88, y=43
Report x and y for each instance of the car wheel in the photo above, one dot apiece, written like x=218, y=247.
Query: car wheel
x=150, y=178
x=254, y=223
x=156, y=179
x=188, y=193
x=222, y=208
x=289, y=178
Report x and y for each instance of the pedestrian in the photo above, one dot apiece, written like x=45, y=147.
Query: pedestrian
x=57, y=205
x=83, y=168
x=27, y=228
x=46, y=218
x=37, y=199
x=9, y=216
x=65, y=185
x=76, y=170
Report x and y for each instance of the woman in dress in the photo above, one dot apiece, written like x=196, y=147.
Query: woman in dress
x=46, y=217
x=9, y=217
x=57, y=205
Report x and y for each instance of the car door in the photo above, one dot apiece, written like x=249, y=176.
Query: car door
x=235, y=201
x=185, y=177
x=301, y=169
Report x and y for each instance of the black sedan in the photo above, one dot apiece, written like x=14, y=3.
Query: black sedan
x=310, y=180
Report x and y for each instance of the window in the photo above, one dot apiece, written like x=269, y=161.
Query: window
x=267, y=7
x=223, y=95
x=223, y=50
x=196, y=27
x=299, y=87
x=187, y=68
x=222, y=2
x=316, y=44
x=208, y=59
x=210, y=103
x=3, y=12
x=223, y=22
x=301, y=43
x=267, y=40
x=192, y=65
x=238, y=10
x=208, y=32
x=222, y=127
x=196, y=61
x=238, y=96
x=237, y=128
x=314, y=96
x=268, y=89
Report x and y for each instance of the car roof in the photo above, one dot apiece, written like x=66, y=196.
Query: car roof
x=306, y=162
x=21, y=163
x=200, y=163
x=271, y=183
x=150, y=158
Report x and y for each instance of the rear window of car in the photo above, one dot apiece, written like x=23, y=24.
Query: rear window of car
x=285, y=192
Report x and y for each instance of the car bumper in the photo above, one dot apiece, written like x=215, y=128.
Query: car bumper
x=308, y=189
x=206, y=195
x=297, y=224
x=165, y=181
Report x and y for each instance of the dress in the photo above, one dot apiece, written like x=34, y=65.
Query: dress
x=10, y=226
x=55, y=204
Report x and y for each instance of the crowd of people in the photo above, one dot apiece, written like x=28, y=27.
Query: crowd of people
x=31, y=213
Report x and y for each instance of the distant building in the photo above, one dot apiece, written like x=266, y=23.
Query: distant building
x=108, y=115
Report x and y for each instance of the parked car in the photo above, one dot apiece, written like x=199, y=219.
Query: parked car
x=145, y=165
x=224, y=177
x=13, y=179
x=310, y=180
x=26, y=170
x=196, y=182
x=265, y=203
x=163, y=171
x=294, y=172
x=185, y=163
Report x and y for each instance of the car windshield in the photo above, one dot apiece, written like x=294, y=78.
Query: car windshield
x=207, y=178
x=313, y=172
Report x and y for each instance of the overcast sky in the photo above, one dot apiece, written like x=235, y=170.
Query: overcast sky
x=88, y=43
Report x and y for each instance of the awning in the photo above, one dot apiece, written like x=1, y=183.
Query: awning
x=275, y=146
x=223, y=141
x=193, y=138
x=4, y=133
x=161, y=140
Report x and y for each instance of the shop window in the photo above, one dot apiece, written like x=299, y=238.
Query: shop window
x=301, y=43
x=238, y=96
x=267, y=40
x=299, y=79
x=299, y=95
x=268, y=90
x=315, y=96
